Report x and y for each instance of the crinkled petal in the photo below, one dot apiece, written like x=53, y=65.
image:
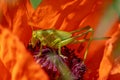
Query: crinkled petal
x=17, y=59
x=68, y=14
x=14, y=16
x=110, y=64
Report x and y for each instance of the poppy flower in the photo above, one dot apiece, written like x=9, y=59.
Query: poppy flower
x=18, y=19
x=71, y=15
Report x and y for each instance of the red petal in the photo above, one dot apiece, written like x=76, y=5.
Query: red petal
x=4, y=73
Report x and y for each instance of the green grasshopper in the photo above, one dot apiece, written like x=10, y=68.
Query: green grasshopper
x=57, y=38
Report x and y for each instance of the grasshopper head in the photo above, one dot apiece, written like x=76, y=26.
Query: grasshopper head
x=33, y=39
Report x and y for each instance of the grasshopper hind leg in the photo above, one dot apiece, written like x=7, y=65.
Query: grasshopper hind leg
x=85, y=33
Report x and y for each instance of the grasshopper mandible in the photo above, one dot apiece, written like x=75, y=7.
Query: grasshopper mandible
x=57, y=38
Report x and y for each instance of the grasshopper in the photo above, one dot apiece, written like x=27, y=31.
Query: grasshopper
x=57, y=38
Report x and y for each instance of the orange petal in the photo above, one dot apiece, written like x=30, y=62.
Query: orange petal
x=17, y=60
x=15, y=17
x=106, y=63
x=109, y=56
x=62, y=14
x=68, y=14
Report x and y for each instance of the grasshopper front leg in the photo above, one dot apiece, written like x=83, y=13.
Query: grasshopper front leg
x=40, y=52
x=63, y=43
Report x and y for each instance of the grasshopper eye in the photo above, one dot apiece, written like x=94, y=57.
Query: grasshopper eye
x=34, y=34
